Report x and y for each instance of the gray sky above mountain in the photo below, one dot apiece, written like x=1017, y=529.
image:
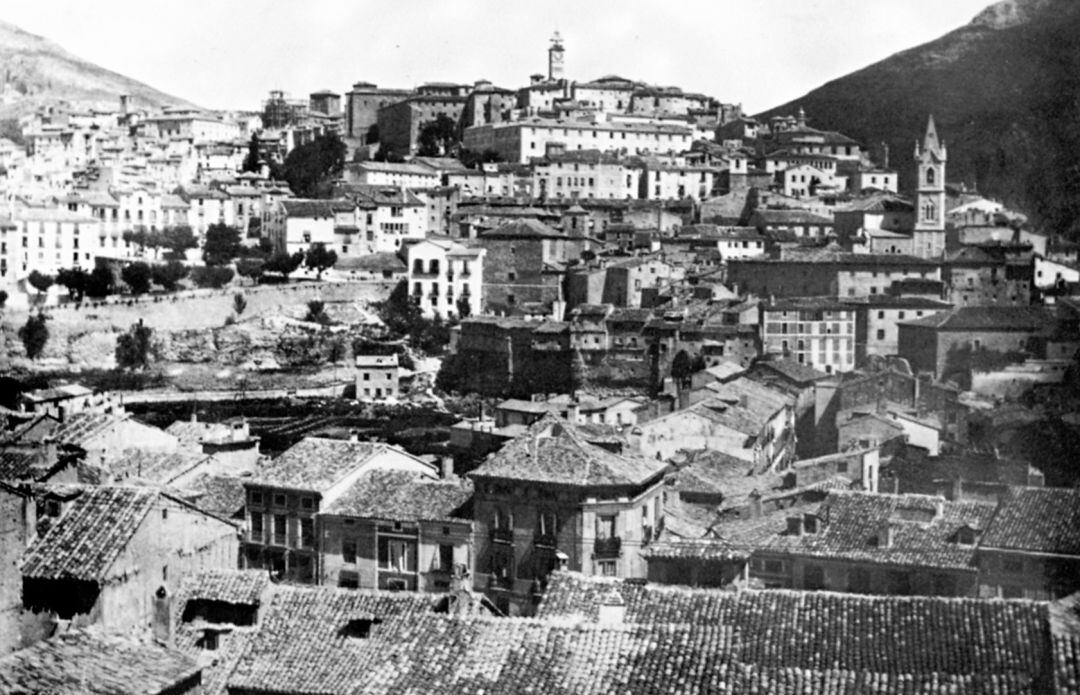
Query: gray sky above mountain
x=230, y=53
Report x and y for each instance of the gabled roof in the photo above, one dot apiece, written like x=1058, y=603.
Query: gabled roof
x=316, y=463
x=552, y=451
x=1045, y=520
x=402, y=496
x=923, y=530
x=989, y=318
x=86, y=540
x=91, y=662
x=527, y=228
x=308, y=209
x=241, y=587
x=865, y=644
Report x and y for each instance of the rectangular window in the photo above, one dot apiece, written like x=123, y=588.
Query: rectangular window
x=446, y=557
x=397, y=555
x=348, y=551
x=605, y=526
x=280, y=529
x=279, y=500
x=307, y=533
x=256, y=527
x=607, y=568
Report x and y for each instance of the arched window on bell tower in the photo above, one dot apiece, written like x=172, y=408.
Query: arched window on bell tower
x=931, y=175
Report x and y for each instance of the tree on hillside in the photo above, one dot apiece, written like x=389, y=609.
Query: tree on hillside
x=34, y=335
x=464, y=306
x=177, y=240
x=250, y=268
x=222, y=244
x=239, y=302
x=137, y=276
x=681, y=369
x=100, y=283
x=253, y=159
x=437, y=138
x=472, y=159
x=284, y=263
x=169, y=274
x=212, y=276
x=398, y=311
x=40, y=281
x=316, y=312
x=133, y=347
x=75, y=280
x=319, y=258
x=310, y=167
x=3, y=298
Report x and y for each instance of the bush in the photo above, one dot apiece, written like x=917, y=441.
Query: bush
x=222, y=244
x=100, y=284
x=169, y=275
x=316, y=312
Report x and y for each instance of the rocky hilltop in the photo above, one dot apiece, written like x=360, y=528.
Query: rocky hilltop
x=1004, y=90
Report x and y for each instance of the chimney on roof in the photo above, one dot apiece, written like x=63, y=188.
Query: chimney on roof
x=611, y=609
x=755, y=504
x=354, y=435
x=446, y=467
x=795, y=525
x=51, y=452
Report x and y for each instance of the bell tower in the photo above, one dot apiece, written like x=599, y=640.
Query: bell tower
x=556, y=53
x=930, y=158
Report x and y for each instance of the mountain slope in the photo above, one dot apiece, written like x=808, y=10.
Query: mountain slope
x=35, y=72
x=1005, y=93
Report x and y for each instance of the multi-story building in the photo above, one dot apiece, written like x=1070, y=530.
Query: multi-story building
x=988, y=275
x=362, y=104
x=583, y=174
x=877, y=318
x=829, y=272
x=521, y=140
x=387, y=217
x=48, y=239
x=400, y=123
x=377, y=376
x=397, y=531
x=548, y=498
x=286, y=494
x=445, y=277
x=815, y=331
x=661, y=180
x=399, y=174
x=518, y=265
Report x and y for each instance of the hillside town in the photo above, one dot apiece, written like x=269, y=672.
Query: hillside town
x=559, y=387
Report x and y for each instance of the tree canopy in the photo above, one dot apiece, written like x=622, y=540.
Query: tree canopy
x=34, y=335
x=75, y=280
x=283, y=263
x=309, y=168
x=222, y=244
x=319, y=258
x=137, y=276
x=168, y=275
x=437, y=138
x=133, y=347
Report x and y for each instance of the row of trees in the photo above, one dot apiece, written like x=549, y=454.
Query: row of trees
x=133, y=349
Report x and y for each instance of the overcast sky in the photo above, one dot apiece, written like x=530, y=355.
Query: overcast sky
x=230, y=53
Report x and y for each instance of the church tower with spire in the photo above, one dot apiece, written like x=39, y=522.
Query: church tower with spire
x=556, y=53
x=929, y=234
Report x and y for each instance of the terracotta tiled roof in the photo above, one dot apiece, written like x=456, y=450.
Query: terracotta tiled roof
x=222, y=495
x=87, y=539
x=820, y=642
x=990, y=318
x=551, y=451
x=923, y=530
x=1037, y=520
x=242, y=587
x=315, y=463
x=92, y=663
x=152, y=466
x=401, y=496
x=527, y=228
x=17, y=465
x=304, y=643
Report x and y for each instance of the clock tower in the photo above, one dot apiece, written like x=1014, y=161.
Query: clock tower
x=555, y=58
x=929, y=234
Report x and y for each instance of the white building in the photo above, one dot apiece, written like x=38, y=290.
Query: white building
x=442, y=272
x=392, y=174
x=815, y=331
x=520, y=140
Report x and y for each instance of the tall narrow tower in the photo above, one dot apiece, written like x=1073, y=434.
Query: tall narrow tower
x=930, y=158
x=555, y=58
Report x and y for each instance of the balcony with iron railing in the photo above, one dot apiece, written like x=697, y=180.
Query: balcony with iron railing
x=607, y=547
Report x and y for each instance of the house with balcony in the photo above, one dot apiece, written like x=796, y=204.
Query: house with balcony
x=285, y=495
x=398, y=531
x=446, y=278
x=551, y=499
